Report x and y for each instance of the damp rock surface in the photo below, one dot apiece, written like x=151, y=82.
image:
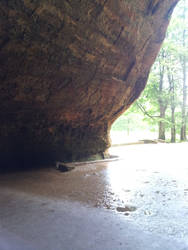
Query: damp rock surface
x=69, y=69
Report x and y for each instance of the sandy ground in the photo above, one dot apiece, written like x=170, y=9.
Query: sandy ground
x=146, y=190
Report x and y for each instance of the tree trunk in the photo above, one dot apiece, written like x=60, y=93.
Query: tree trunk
x=173, y=126
x=172, y=105
x=162, y=124
x=161, y=100
x=183, y=123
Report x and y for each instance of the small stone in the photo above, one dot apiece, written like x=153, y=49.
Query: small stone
x=126, y=209
x=126, y=214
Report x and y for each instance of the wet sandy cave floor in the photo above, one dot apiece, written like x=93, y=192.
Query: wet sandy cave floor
x=148, y=185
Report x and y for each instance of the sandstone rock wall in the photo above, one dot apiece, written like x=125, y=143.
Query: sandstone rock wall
x=69, y=68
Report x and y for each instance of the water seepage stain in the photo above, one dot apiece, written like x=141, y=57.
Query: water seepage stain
x=128, y=208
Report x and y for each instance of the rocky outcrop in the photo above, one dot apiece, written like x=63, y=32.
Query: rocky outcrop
x=69, y=69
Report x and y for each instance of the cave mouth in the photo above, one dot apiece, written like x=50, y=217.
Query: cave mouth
x=66, y=75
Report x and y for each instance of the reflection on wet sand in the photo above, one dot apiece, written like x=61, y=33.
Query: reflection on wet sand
x=148, y=185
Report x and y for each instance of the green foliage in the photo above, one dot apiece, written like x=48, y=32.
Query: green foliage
x=167, y=69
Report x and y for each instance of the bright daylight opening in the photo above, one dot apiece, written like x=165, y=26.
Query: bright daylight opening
x=160, y=114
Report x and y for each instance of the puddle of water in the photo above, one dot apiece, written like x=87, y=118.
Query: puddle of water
x=159, y=200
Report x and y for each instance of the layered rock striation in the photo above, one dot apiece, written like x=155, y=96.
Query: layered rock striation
x=69, y=68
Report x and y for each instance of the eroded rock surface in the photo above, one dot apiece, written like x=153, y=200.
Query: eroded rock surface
x=69, y=69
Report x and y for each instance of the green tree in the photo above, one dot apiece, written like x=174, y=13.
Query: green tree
x=164, y=100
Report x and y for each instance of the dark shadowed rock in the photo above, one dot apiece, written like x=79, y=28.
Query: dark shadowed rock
x=69, y=68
